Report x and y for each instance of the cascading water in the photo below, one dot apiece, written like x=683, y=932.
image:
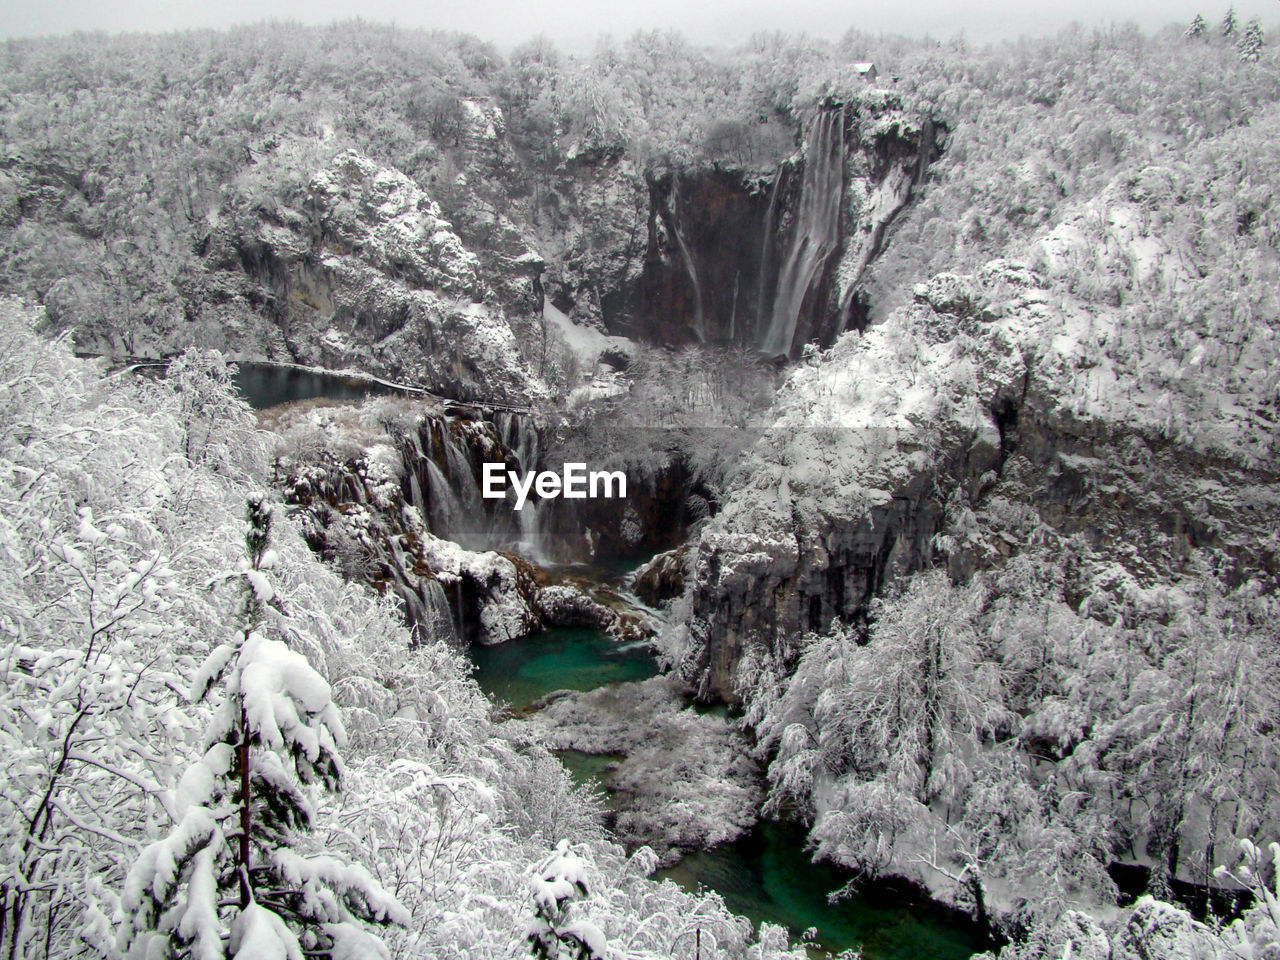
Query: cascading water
x=764, y=304
x=816, y=234
x=427, y=609
x=444, y=505
x=520, y=439
x=699, y=324
x=444, y=460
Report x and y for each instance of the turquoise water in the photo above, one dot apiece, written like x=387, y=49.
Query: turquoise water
x=764, y=876
x=768, y=876
x=589, y=769
x=522, y=671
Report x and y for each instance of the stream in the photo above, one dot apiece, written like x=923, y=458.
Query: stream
x=763, y=876
x=766, y=875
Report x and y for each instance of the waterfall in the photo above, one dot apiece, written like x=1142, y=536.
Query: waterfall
x=698, y=324
x=766, y=244
x=439, y=611
x=816, y=233
x=519, y=438
x=415, y=493
x=443, y=462
x=426, y=607
x=443, y=506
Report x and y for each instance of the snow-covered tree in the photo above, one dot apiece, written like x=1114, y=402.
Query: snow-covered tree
x=1229, y=23
x=230, y=880
x=557, y=882
x=1251, y=42
x=1197, y=29
x=1257, y=932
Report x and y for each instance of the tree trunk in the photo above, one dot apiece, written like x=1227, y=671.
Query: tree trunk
x=246, y=895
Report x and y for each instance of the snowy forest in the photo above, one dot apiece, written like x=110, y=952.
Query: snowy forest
x=942, y=615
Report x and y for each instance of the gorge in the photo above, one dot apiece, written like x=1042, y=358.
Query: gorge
x=946, y=406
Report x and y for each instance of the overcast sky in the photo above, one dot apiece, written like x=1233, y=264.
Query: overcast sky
x=575, y=22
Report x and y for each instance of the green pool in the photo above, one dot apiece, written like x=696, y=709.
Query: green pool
x=522, y=671
x=767, y=876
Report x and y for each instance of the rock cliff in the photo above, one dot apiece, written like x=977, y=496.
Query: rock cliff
x=978, y=391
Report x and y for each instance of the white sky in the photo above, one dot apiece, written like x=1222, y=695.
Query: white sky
x=575, y=23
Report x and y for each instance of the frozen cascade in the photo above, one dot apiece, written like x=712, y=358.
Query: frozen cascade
x=440, y=612
x=426, y=607
x=454, y=506
x=415, y=493
x=817, y=229
x=766, y=244
x=444, y=461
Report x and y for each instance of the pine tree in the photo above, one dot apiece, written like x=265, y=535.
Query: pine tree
x=558, y=881
x=1251, y=42
x=1229, y=23
x=1197, y=29
x=226, y=882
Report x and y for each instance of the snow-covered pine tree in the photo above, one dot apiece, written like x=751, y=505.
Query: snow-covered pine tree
x=1197, y=29
x=1251, y=42
x=558, y=881
x=226, y=881
x=1229, y=23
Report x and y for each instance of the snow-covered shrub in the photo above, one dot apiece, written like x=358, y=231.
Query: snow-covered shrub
x=557, y=882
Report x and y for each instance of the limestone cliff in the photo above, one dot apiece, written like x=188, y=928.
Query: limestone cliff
x=363, y=271
x=985, y=389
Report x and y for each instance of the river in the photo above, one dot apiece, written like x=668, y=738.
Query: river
x=764, y=876
x=265, y=385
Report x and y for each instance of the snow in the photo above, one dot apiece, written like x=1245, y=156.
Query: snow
x=274, y=682
x=199, y=923
x=350, y=942
x=349, y=879
x=258, y=934
x=155, y=874
x=210, y=670
x=586, y=343
x=589, y=935
x=560, y=876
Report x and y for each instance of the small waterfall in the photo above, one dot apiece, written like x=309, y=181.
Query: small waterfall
x=519, y=437
x=439, y=612
x=766, y=245
x=443, y=506
x=462, y=477
x=816, y=233
x=427, y=609
x=443, y=461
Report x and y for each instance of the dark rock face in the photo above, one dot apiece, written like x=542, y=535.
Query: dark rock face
x=662, y=579
x=771, y=593
x=702, y=269
x=807, y=537
x=706, y=254
x=653, y=517
x=774, y=263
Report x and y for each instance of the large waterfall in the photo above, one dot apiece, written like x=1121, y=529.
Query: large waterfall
x=816, y=233
x=699, y=323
